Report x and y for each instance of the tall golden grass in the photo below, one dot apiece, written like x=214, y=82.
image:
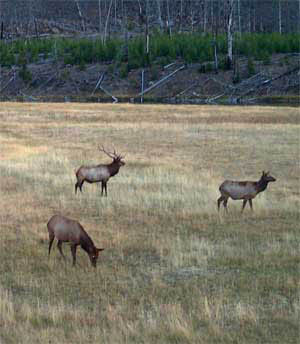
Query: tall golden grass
x=175, y=270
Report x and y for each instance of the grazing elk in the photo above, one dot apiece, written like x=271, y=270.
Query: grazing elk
x=99, y=173
x=68, y=230
x=243, y=190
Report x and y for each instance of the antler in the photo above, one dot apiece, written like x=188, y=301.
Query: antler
x=113, y=155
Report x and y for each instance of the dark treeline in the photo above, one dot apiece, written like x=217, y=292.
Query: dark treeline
x=109, y=17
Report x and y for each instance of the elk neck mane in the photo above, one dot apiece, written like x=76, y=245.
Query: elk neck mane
x=261, y=185
x=113, y=168
x=86, y=242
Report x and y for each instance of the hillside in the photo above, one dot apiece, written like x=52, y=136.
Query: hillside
x=182, y=68
x=49, y=81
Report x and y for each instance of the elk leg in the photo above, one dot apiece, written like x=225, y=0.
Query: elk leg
x=250, y=202
x=225, y=204
x=244, y=204
x=78, y=185
x=51, y=238
x=105, y=188
x=73, y=250
x=219, y=202
x=60, y=248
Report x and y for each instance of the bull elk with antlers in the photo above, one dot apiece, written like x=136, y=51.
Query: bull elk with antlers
x=99, y=173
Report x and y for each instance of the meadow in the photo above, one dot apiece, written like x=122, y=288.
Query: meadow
x=174, y=269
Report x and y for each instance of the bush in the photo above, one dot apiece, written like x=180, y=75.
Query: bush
x=7, y=58
x=133, y=63
x=124, y=71
x=25, y=74
x=154, y=72
x=266, y=58
x=22, y=60
x=209, y=67
x=250, y=67
x=82, y=65
x=202, y=69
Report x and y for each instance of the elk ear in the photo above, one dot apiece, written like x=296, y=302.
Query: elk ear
x=263, y=173
x=99, y=249
x=267, y=173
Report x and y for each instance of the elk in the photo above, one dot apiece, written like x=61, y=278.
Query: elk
x=245, y=190
x=99, y=173
x=68, y=230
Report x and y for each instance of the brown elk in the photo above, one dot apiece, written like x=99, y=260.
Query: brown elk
x=68, y=230
x=99, y=173
x=243, y=190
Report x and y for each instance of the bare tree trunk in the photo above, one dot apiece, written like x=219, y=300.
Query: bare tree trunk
x=2, y=31
x=115, y=14
x=230, y=4
x=169, y=20
x=100, y=16
x=298, y=26
x=239, y=17
x=142, y=86
x=36, y=28
x=192, y=19
x=181, y=15
x=161, y=25
x=147, y=32
x=216, y=56
x=125, y=28
x=254, y=19
x=279, y=17
x=249, y=21
x=204, y=16
x=107, y=20
x=80, y=15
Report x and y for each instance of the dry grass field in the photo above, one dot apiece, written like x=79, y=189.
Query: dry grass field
x=174, y=269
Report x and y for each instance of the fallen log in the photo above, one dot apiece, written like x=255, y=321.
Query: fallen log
x=187, y=89
x=108, y=93
x=161, y=81
x=9, y=81
x=98, y=83
x=211, y=100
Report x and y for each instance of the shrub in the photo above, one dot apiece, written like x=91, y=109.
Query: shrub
x=7, y=58
x=202, y=69
x=154, y=72
x=82, y=65
x=250, y=67
x=22, y=60
x=124, y=71
x=266, y=58
x=209, y=67
x=25, y=74
x=111, y=68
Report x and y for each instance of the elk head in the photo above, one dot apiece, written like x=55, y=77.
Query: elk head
x=117, y=158
x=267, y=177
